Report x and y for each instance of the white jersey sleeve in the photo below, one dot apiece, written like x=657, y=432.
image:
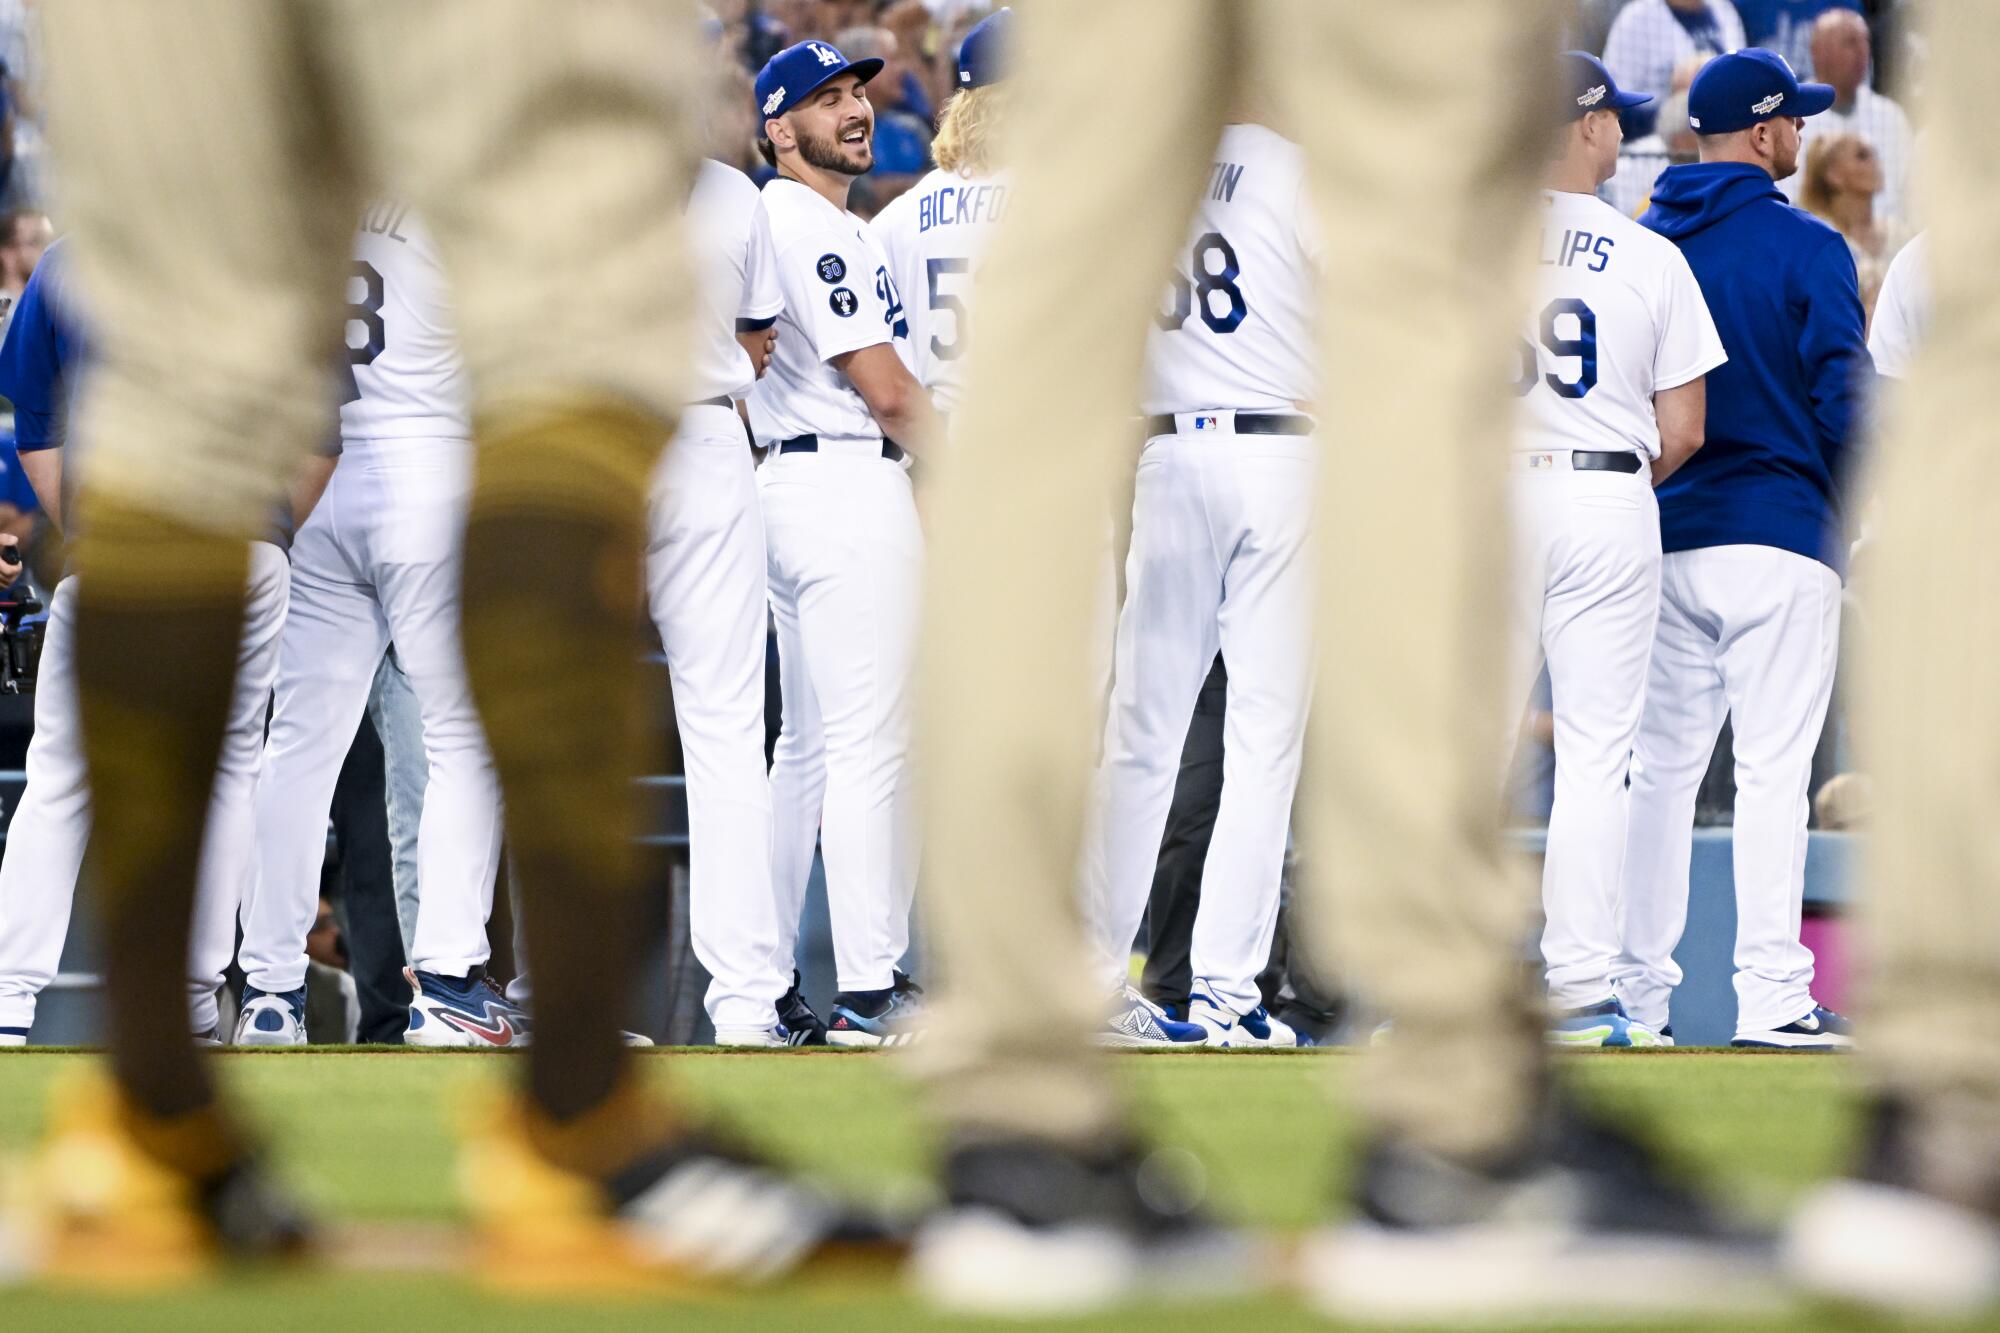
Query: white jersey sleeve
x=1689, y=346
x=838, y=297
x=401, y=339
x=762, y=297
x=1236, y=330
x=934, y=235
x=1617, y=318
x=726, y=231
x=1902, y=310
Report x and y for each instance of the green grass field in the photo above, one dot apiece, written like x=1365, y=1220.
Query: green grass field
x=368, y=1137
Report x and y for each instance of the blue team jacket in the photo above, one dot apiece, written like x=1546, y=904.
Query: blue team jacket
x=1786, y=407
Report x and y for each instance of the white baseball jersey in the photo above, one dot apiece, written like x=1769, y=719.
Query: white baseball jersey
x=1902, y=310
x=731, y=240
x=1618, y=317
x=1237, y=330
x=838, y=298
x=412, y=383
x=934, y=235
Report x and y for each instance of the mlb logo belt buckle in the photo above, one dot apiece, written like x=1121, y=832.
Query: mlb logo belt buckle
x=1541, y=460
x=1208, y=423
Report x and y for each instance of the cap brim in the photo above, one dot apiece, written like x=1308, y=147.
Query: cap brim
x=1813, y=99
x=1626, y=101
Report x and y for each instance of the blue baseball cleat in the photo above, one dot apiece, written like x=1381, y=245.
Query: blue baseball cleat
x=1136, y=1022
x=1223, y=1026
x=463, y=1012
x=894, y=1017
x=1604, y=1024
x=269, y=1018
x=1820, y=1030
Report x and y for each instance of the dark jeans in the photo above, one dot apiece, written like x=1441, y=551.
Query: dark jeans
x=362, y=889
x=1288, y=984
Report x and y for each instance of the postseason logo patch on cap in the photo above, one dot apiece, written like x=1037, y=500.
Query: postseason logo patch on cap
x=1593, y=97
x=1768, y=105
x=774, y=101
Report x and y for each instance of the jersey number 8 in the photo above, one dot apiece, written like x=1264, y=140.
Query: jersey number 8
x=1583, y=347
x=1185, y=298
x=367, y=312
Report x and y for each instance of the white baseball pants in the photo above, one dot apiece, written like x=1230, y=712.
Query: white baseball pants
x=706, y=582
x=1586, y=601
x=377, y=563
x=45, y=843
x=846, y=569
x=1750, y=632
x=1219, y=559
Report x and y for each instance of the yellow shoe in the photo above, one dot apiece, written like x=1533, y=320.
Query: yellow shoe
x=103, y=1210
x=692, y=1216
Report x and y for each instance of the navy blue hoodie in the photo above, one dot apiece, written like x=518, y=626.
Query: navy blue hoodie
x=1784, y=408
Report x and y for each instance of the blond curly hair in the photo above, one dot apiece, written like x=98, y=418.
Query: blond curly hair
x=965, y=142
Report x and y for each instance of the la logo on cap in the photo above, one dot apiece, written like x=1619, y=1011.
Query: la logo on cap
x=827, y=55
x=1768, y=105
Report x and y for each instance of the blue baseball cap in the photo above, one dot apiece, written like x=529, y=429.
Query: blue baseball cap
x=793, y=74
x=983, y=55
x=1736, y=91
x=1587, y=86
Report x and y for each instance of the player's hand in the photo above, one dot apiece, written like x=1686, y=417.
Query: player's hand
x=763, y=359
x=10, y=562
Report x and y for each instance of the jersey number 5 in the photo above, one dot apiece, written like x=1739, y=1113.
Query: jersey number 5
x=1215, y=273
x=937, y=270
x=367, y=312
x=1583, y=347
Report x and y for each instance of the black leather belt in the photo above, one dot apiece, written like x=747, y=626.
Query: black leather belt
x=1247, y=423
x=809, y=444
x=1590, y=460
x=720, y=400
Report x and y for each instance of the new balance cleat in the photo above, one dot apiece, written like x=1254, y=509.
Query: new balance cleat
x=1223, y=1026
x=271, y=1019
x=13, y=1036
x=1137, y=1023
x=693, y=1214
x=806, y=1028
x=1820, y=1030
x=894, y=1017
x=1034, y=1230
x=1583, y=1222
x=774, y=1037
x=1605, y=1024
x=464, y=1012
x=103, y=1210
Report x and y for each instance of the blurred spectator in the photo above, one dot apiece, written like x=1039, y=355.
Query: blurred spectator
x=1672, y=142
x=1841, y=52
x=1842, y=177
x=1786, y=26
x=1650, y=39
x=1845, y=803
x=24, y=234
x=915, y=71
x=902, y=139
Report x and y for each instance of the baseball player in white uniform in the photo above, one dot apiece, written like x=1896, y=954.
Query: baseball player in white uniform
x=47, y=838
x=706, y=580
x=1902, y=310
x=846, y=551
x=377, y=565
x=1611, y=372
x=1220, y=521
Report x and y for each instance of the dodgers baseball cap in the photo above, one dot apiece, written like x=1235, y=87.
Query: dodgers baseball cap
x=1736, y=91
x=983, y=55
x=793, y=74
x=1588, y=86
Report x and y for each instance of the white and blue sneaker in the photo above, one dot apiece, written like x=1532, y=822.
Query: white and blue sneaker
x=776, y=1036
x=894, y=1017
x=271, y=1019
x=1223, y=1026
x=1137, y=1023
x=1820, y=1030
x=463, y=1012
x=1604, y=1024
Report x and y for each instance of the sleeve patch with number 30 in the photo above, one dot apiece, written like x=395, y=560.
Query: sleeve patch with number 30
x=832, y=268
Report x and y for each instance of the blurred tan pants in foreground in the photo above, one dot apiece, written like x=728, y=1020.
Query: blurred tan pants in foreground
x=1932, y=603
x=537, y=138
x=1421, y=123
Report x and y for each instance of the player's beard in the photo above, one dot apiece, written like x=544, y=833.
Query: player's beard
x=832, y=155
